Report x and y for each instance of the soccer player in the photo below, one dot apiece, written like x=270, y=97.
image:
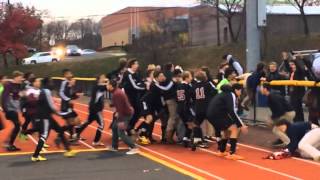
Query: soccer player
x=153, y=108
x=184, y=107
x=44, y=121
x=281, y=109
x=2, y=81
x=68, y=95
x=134, y=88
x=203, y=91
x=11, y=106
x=304, y=137
x=124, y=112
x=222, y=114
x=96, y=106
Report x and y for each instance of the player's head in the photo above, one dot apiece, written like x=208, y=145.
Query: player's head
x=67, y=74
x=237, y=89
x=273, y=67
x=177, y=75
x=230, y=74
x=159, y=76
x=133, y=64
x=28, y=76
x=101, y=79
x=17, y=77
x=201, y=76
x=36, y=82
x=112, y=85
x=123, y=62
x=47, y=83
x=186, y=76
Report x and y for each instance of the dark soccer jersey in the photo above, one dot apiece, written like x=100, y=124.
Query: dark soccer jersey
x=183, y=95
x=202, y=93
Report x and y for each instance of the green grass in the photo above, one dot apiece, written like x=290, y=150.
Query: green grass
x=189, y=58
x=81, y=68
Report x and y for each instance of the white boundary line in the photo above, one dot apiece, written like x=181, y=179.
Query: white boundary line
x=211, y=152
x=240, y=144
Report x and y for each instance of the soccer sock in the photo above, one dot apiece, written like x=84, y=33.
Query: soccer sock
x=233, y=143
x=39, y=147
x=222, y=145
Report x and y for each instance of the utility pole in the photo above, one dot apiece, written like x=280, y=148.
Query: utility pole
x=218, y=23
x=253, y=35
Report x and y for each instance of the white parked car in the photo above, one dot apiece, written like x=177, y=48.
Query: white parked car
x=41, y=57
x=73, y=50
x=88, y=52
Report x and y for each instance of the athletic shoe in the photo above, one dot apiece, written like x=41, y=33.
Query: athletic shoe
x=70, y=154
x=97, y=144
x=222, y=154
x=112, y=149
x=278, y=144
x=317, y=159
x=39, y=158
x=23, y=137
x=143, y=140
x=203, y=144
x=46, y=145
x=133, y=151
x=234, y=157
x=13, y=148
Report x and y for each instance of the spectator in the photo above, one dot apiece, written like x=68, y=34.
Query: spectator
x=297, y=72
x=252, y=83
x=274, y=74
x=222, y=70
x=233, y=63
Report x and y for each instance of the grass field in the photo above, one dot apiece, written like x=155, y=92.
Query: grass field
x=189, y=58
x=82, y=68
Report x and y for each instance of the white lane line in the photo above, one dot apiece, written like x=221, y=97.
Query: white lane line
x=211, y=152
x=162, y=155
x=240, y=144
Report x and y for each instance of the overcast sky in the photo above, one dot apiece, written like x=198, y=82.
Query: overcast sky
x=75, y=9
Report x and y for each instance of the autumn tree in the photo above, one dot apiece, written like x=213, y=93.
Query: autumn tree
x=300, y=5
x=16, y=23
x=229, y=9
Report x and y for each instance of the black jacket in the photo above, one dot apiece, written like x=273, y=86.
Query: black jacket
x=45, y=107
x=132, y=84
x=223, y=106
x=96, y=103
x=274, y=76
x=202, y=93
x=278, y=105
x=66, y=94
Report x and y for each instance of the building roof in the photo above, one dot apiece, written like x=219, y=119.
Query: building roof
x=291, y=10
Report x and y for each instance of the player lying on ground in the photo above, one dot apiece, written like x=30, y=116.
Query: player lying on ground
x=304, y=139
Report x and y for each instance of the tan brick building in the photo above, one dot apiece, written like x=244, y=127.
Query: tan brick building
x=122, y=26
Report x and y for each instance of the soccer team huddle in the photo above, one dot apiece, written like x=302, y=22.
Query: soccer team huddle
x=181, y=100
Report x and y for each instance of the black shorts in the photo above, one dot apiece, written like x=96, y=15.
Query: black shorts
x=68, y=115
x=200, y=117
x=12, y=116
x=185, y=114
x=221, y=123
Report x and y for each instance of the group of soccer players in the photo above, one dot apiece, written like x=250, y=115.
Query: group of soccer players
x=181, y=100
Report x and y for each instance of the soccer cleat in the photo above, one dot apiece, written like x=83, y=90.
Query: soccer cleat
x=317, y=159
x=133, y=151
x=143, y=140
x=234, y=157
x=46, y=145
x=203, y=144
x=39, y=158
x=23, y=137
x=97, y=144
x=222, y=154
x=112, y=149
x=12, y=148
x=70, y=154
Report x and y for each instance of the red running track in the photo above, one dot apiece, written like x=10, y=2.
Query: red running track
x=203, y=162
